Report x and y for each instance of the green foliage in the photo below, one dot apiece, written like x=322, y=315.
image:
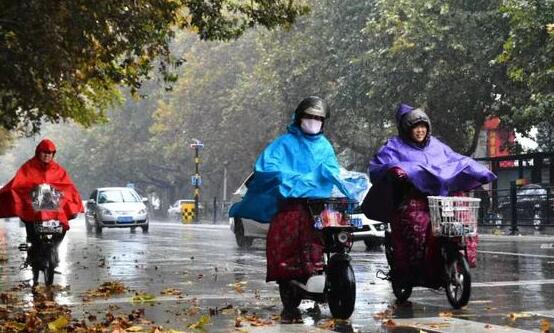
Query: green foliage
x=545, y=137
x=528, y=54
x=66, y=59
x=5, y=140
x=456, y=58
x=438, y=54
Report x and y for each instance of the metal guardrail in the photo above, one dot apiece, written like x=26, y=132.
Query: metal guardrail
x=530, y=205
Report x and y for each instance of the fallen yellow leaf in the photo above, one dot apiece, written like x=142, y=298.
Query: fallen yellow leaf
x=545, y=326
x=171, y=291
x=383, y=315
x=58, y=324
x=201, y=322
x=239, y=286
x=327, y=324
x=438, y=325
x=518, y=315
x=143, y=297
x=389, y=323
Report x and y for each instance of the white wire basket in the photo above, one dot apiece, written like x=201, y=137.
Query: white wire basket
x=454, y=216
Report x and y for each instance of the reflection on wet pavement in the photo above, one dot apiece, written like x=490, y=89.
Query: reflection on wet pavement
x=205, y=264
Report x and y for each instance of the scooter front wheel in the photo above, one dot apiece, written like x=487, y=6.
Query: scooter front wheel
x=49, y=276
x=50, y=266
x=342, y=289
x=458, y=283
x=36, y=273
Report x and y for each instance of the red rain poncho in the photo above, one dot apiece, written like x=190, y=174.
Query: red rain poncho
x=15, y=197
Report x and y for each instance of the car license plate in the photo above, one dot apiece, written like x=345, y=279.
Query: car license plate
x=125, y=219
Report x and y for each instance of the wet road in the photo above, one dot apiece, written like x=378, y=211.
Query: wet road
x=515, y=276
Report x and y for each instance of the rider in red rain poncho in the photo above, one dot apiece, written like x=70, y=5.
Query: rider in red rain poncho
x=15, y=197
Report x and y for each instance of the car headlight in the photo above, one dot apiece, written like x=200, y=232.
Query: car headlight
x=142, y=211
x=106, y=211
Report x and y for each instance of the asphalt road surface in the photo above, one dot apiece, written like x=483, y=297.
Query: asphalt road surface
x=182, y=274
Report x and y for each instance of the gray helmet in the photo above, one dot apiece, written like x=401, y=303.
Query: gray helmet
x=412, y=118
x=311, y=105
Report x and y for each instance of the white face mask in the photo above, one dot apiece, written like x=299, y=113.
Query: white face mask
x=310, y=126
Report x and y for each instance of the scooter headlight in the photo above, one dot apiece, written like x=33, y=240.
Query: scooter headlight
x=342, y=237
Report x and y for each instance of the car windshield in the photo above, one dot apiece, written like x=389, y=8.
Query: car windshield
x=117, y=196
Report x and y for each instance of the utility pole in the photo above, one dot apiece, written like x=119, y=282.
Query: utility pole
x=196, y=179
x=225, y=182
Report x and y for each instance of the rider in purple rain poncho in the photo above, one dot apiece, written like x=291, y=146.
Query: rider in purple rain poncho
x=407, y=169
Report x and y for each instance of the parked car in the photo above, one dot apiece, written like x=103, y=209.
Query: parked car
x=174, y=211
x=533, y=204
x=116, y=207
x=246, y=230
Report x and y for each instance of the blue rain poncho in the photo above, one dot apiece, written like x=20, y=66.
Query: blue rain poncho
x=294, y=165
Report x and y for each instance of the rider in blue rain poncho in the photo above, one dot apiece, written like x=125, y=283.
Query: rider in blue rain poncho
x=298, y=165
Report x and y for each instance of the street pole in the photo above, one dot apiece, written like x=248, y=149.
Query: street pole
x=196, y=185
x=225, y=182
x=196, y=180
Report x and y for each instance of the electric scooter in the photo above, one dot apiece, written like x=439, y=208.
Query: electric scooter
x=453, y=219
x=336, y=283
x=42, y=254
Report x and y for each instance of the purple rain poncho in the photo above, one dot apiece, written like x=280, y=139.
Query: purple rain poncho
x=433, y=167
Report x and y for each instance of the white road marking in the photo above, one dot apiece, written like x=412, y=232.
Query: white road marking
x=192, y=226
x=518, y=254
x=290, y=328
x=544, y=313
x=512, y=283
x=453, y=325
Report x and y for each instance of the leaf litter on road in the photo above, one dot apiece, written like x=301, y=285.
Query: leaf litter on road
x=45, y=315
x=545, y=326
x=238, y=286
x=518, y=315
x=106, y=290
x=171, y=291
